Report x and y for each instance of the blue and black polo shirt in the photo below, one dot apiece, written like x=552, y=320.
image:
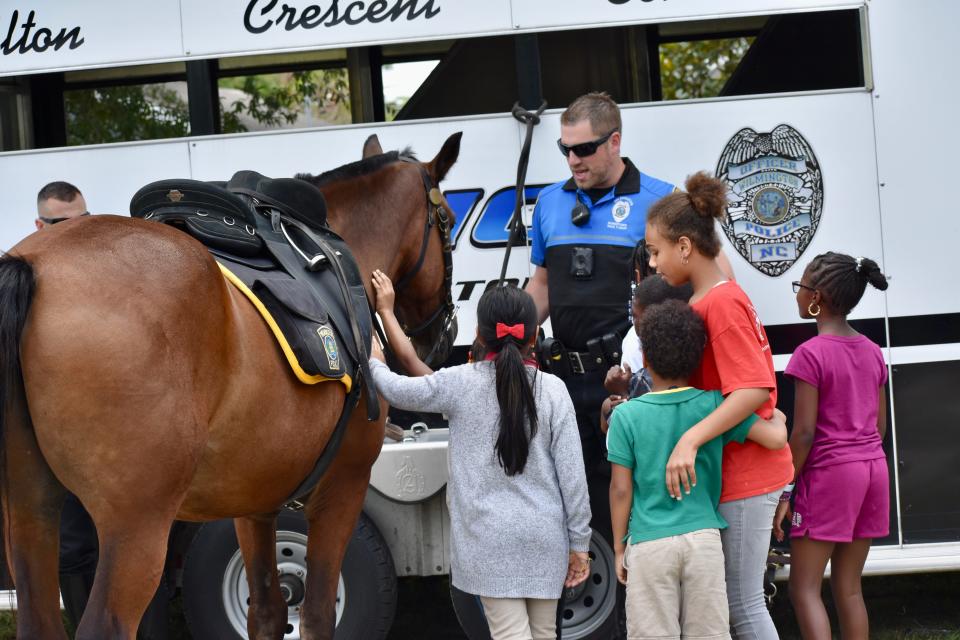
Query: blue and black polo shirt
x=589, y=306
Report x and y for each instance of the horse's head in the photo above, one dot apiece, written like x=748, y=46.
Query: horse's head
x=424, y=303
x=389, y=208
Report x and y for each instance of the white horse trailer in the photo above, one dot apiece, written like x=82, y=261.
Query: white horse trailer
x=833, y=130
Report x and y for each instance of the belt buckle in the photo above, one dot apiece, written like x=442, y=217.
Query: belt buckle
x=576, y=364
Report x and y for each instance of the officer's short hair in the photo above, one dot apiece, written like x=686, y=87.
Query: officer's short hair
x=597, y=107
x=59, y=190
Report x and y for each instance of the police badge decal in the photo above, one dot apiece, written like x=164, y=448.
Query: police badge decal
x=775, y=198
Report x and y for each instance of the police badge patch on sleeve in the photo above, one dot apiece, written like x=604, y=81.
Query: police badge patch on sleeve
x=775, y=198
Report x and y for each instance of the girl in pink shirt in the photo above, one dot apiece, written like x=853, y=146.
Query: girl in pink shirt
x=842, y=498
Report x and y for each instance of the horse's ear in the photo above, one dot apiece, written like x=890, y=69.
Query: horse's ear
x=440, y=165
x=371, y=147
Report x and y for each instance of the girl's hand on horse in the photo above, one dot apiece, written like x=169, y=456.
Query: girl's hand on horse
x=384, y=290
x=783, y=513
x=578, y=568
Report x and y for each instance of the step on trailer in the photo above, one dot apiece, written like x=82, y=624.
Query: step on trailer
x=858, y=137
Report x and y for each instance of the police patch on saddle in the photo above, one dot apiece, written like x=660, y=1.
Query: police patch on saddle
x=775, y=198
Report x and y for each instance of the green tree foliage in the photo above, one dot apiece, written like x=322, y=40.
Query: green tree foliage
x=276, y=100
x=130, y=112
x=151, y=111
x=699, y=68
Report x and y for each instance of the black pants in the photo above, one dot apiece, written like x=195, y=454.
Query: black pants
x=587, y=392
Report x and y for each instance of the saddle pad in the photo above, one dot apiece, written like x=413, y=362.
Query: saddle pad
x=310, y=342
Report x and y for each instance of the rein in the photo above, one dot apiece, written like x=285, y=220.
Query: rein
x=436, y=214
x=530, y=119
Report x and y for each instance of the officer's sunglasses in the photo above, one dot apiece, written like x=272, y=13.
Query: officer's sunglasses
x=584, y=149
x=56, y=220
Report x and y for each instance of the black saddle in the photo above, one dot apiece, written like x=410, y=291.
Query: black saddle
x=272, y=235
x=205, y=210
x=291, y=196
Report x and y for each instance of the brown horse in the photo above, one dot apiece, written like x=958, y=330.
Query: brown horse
x=136, y=377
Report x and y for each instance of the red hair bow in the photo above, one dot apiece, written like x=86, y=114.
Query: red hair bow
x=515, y=330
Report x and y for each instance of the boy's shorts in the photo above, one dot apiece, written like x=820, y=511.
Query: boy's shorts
x=676, y=587
x=843, y=502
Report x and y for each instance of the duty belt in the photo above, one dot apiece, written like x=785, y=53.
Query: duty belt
x=584, y=361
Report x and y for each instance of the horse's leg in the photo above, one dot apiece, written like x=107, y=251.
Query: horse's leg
x=133, y=547
x=332, y=512
x=267, y=615
x=32, y=499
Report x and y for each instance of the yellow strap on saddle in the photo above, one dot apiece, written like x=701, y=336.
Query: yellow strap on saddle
x=302, y=375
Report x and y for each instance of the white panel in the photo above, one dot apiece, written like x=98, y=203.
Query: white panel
x=531, y=14
x=671, y=141
x=263, y=25
x=668, y=140
x=110, y=32
x=917, y=139
x=107, y=176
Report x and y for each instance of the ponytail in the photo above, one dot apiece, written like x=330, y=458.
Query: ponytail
x=517, y=408
x=515, y=308
x=692, y=213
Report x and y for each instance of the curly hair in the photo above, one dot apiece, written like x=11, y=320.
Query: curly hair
x=673, y=338
x=655, y=289
x=842, y=279
x=692, y=213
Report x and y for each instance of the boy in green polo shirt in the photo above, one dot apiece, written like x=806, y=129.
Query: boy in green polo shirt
x=670, y=556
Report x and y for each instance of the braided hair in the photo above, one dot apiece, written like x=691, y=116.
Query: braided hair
x=510, y=306
x=842, y=279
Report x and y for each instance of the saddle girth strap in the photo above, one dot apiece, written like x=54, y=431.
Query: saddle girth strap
x=297, y=499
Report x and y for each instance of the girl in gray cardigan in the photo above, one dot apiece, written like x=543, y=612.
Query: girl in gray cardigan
x=519, y=511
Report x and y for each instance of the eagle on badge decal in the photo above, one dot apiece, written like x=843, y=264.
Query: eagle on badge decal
x=775, y=196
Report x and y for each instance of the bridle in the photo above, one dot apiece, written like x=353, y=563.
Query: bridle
x=436, y=214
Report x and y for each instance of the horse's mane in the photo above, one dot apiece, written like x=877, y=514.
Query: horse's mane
x=358, y=168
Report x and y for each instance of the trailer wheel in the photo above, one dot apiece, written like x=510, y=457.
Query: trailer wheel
x=587, y=609
x=215, y=592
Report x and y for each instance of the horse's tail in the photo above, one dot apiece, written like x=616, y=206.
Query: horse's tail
x=17, y=286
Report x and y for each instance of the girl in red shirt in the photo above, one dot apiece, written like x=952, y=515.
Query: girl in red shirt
x=683, y=242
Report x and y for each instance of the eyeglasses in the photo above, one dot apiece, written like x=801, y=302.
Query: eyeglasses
x=797, y=286
x=56, y=220
x=584, y=149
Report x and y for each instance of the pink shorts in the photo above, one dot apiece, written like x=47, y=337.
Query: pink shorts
x=843, y=502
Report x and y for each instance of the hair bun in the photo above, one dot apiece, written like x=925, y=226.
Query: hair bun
x=870, y=270
x=707, y=195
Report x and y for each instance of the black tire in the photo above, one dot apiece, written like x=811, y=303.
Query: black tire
x=214, y=586
x=586, y=613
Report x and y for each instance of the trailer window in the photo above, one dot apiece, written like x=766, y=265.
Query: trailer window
x=699, y=68
x=13, y=115
x=288, y=100
x=126, y=112
x=401, y=80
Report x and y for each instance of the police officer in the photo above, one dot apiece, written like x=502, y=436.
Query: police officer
x=583, y=238
x=58, y=202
